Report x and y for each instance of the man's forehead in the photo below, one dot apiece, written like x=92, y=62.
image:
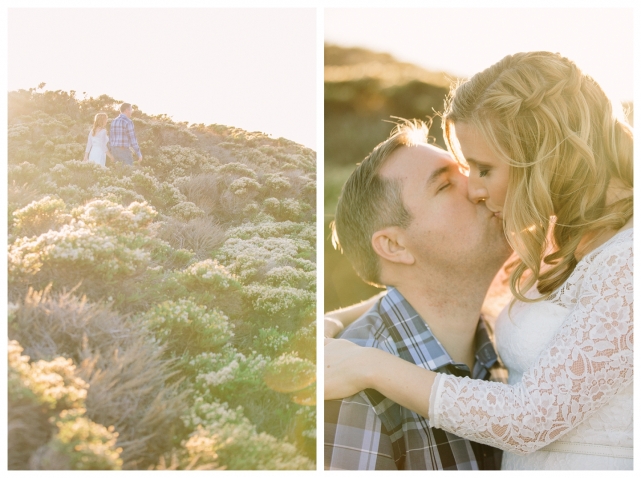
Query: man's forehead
x=419, y=158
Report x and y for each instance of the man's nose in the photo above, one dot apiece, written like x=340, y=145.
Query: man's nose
x=476, y=192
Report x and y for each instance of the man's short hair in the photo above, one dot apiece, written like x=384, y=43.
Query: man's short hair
x=124, y=107
x=369, y=202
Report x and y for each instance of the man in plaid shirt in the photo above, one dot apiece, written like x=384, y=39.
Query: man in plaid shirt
x=404, y=220
x=122, y=137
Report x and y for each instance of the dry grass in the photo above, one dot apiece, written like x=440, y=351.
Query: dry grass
x=49, y=325
x=201, y=235
x=131, y=385
x=28, y=429
x=131, y=391
x=48, y=458
x=203, y=191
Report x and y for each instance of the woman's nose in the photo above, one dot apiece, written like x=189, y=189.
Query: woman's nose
x=476, y=192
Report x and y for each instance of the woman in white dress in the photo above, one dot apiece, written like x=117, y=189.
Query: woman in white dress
x=97, y=150
x=547, y=154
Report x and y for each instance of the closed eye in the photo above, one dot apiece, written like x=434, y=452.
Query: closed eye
x=444, y=186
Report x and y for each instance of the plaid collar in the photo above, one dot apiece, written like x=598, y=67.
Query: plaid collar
x=415, y=342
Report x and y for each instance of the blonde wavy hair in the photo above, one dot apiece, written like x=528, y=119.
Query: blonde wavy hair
x=556, y=127
x=99, y=121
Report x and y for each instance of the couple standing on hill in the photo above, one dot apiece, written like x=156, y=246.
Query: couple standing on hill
x=120, y=142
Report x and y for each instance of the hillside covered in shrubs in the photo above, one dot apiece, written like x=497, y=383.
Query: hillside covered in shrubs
x=160, y=316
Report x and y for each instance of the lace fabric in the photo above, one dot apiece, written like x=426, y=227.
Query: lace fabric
x=562, y=383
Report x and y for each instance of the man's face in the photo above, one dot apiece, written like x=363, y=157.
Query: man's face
x=127, y=112
x=447, y=229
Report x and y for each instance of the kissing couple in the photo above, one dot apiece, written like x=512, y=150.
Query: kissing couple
x=539, y=166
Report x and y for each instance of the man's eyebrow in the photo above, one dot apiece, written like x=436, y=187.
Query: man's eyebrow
x=437, y=173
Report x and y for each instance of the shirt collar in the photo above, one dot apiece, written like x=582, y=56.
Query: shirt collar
x=416, y=343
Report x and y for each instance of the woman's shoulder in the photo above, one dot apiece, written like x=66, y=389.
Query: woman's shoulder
x=614, y=255
x=622, y=241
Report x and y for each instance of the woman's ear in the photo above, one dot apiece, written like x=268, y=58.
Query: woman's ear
x=389, y=244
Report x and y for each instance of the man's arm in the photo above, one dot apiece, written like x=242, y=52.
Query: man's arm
x=337, y=320
x=355, y=438
x=132, y=138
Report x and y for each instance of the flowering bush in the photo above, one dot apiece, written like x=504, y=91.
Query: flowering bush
x=272, y=205
x=102, y=213
x=161, y=195
x=237, y=169
x=276, y=183
x=75, y=246
x=235, y=442
x=250, y=259
x=290, y=276
x=266, y=229
x=244, y=186
x=24, y=172
x=210, y=274
x=175, y=161
x=80, y=173
x=186, y=211
x=79, y=444
x=69, y=152
x=39, y=216
x=280, y=301
x=116, y=194
x=53, y=384
x=290, y=373
x=57, y=394
x=272, y=342
x=186, y=327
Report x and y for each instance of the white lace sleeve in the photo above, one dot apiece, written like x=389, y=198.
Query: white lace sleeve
x=588, y=361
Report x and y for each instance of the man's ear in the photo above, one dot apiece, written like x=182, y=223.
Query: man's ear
x=389, y=244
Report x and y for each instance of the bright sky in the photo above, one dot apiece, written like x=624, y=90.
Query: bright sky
x=250, y=68
x=463, y=41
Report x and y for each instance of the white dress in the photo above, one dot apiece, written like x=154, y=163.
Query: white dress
x=97, y=147
x=570, y=362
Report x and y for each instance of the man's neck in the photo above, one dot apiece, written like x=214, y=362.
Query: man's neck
x=451, y=310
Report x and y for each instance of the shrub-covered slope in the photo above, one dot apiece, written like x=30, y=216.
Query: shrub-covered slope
x=161, y=316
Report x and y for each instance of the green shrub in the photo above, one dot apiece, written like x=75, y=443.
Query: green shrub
x=39, y=216
x=79, y=444
x=188, y=328
x=226, y=434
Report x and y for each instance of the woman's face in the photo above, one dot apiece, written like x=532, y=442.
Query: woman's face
x=488, y=174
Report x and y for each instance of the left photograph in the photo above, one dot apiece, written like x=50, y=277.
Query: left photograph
x=161, y=239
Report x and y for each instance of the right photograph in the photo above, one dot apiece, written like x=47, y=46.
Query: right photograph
x=478, y=239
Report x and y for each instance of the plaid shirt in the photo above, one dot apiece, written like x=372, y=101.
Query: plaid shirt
x=368, y=431
x=122, y=134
